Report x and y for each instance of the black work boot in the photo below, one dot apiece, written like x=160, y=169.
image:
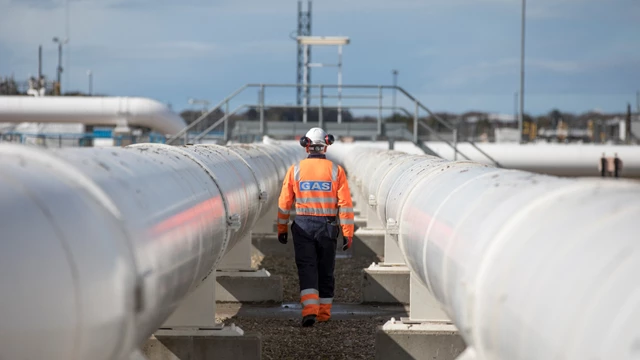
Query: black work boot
x=308, y=320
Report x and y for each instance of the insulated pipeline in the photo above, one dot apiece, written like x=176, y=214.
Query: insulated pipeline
x=94, y=110
x=99, y=246
x=527, y=266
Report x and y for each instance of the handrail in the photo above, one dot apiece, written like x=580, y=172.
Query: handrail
x=446, y=124
x=262, y=106
x=331, y=86
x=223, y=119
x=485, y=154
x=422, y=106
x=430, y=129
x=203, y=116
x=455, y=149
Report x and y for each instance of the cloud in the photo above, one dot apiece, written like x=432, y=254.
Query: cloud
x=539, y=9
x=485, y=71
x=168, y=50
x=42, y=4
x=187, y=49
x=236, y=6
x=146, y=4
x=557, y=66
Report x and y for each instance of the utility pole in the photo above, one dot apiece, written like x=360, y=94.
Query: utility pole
x=67, y=31
x=304, y=53
x=90, y=75
x=395, y=90
x=41, y=85
x=627, y=130
x=515, y=106
x=521, y=117
x=39, y=62
x=638, y=105
x=59, y=70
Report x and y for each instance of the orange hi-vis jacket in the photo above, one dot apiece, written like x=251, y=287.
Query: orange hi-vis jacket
x=319, y=188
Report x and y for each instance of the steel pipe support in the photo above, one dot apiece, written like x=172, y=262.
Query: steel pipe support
x=99, y=246
x=527, y=266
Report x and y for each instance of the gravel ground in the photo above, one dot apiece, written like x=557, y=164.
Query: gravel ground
x=284, y=338
x=347, y=272
x=342, y=339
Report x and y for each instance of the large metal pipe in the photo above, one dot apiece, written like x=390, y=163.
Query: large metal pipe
x=527, y=266
x=99, y=246
x=91, y=111
x=552, y=159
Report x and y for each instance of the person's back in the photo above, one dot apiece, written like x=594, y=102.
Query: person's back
x=617, y=165
x=610, y=166
x=323, y=206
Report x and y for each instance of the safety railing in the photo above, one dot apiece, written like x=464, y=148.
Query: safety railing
x=188, y=134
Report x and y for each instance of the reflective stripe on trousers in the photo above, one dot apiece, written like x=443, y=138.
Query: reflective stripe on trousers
x=315, y=253
x=310, y=302
x=324, y=312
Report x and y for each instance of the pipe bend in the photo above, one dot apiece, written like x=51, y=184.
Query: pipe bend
x=142, y=112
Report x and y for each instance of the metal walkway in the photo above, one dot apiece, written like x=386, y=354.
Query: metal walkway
x=370, y=97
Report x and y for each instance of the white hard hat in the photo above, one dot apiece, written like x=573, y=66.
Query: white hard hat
x=316, y=136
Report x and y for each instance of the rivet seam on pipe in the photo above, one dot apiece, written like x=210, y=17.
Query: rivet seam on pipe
x=255, y=177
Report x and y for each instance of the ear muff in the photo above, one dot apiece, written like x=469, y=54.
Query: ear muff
x=329, y=139
x=305, y=141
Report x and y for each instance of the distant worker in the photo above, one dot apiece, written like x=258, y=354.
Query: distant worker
x=603, y=166
x=611, y=166
x=617, y=165
x=321, y=193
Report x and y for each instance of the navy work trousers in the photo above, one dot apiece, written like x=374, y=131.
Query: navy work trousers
x=314, y=241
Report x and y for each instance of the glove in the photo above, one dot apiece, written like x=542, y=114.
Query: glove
x=283, y=238
x=346, y=243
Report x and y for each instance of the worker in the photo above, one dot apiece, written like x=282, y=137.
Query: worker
x=617, y=165
x=603, y=166
x=323, y=207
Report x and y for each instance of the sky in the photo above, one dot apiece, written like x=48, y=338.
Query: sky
x=453, y=55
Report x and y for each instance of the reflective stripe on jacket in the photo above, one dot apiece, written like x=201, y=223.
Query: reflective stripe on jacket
x=319, y=188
